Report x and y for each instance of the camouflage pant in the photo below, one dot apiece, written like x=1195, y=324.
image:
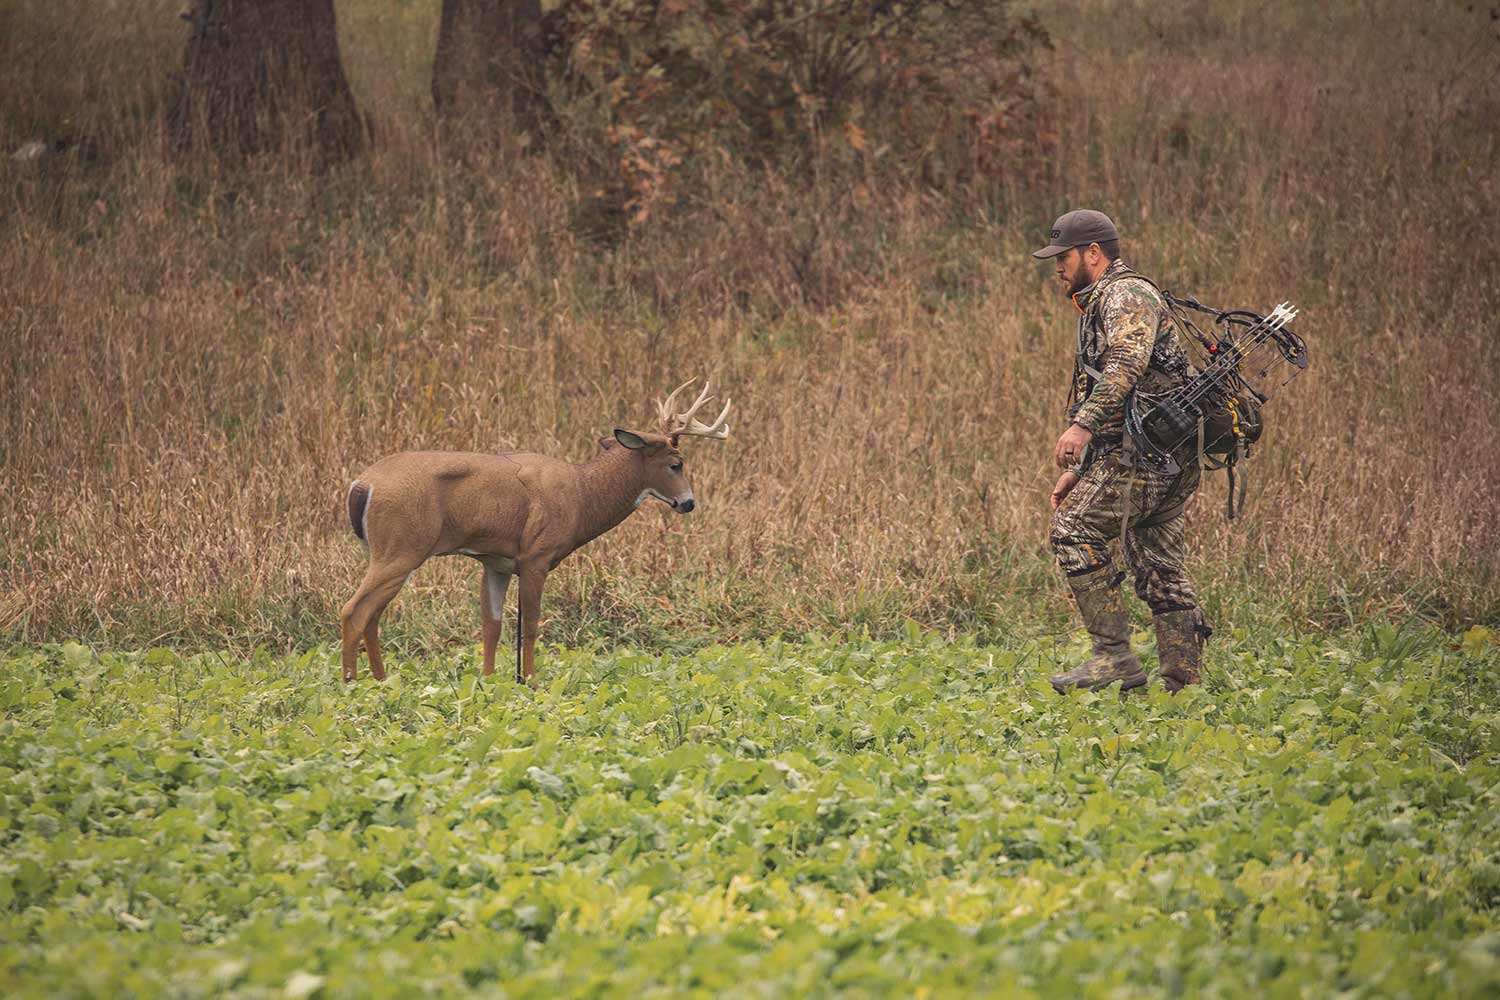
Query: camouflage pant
x=1089, y=518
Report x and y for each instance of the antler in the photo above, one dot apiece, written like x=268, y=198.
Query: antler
x=674, y=424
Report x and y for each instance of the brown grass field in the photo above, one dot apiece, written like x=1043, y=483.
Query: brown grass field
x=192, y=368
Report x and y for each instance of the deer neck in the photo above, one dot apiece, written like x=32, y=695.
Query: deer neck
x=609, y=489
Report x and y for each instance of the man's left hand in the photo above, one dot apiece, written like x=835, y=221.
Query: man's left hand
x=1070, y=446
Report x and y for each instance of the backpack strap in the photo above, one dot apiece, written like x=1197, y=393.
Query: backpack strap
x=1096, y=301
x=1127, y=462
x=1233, y=505
x=1162, y=516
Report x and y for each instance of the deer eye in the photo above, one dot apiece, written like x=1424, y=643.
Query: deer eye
x=677, y=467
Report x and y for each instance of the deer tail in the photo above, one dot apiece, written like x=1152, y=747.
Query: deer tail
x=359, y=509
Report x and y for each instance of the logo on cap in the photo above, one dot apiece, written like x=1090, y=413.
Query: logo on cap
x=1056, y=233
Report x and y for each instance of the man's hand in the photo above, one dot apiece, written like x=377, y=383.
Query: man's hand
x=1065, y=484
x=1070, y=446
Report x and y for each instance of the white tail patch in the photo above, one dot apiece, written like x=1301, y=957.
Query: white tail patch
x=364, y=517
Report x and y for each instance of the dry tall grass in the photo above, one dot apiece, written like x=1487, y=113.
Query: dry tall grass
x=192, y=368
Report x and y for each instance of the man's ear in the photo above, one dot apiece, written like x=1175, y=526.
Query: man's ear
x=630, y=439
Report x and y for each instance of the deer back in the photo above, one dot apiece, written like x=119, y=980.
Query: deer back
x=437, y=502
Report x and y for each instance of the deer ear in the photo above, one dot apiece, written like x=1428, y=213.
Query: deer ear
x=606, y=443
x=630, y=439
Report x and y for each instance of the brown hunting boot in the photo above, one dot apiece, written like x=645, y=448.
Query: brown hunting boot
x=1103, y=612
x=1179, y=640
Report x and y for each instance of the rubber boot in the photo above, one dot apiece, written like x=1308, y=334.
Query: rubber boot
x=1103, y=611
x=1180, y=636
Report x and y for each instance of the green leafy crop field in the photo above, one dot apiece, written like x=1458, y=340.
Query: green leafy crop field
x=912, y=818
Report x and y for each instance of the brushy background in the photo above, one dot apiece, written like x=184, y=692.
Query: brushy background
x=195, y=362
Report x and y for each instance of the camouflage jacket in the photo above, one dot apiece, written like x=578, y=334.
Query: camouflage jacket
x=1126, y=335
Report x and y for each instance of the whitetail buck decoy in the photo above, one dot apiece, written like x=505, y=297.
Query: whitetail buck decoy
x=517, y=513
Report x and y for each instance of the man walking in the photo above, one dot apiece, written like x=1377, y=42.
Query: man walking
x=1125, y=343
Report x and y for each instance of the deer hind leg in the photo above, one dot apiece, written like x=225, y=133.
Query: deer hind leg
x=349, y=640
x=372, y=647
x=361, y=616
x=492, y=590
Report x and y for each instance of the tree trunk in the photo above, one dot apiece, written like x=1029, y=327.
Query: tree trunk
x=487, y=72
x=264, y=74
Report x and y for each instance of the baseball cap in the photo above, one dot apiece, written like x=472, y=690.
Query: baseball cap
x=1077, y=228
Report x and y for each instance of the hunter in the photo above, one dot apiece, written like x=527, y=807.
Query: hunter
x=1126, y=342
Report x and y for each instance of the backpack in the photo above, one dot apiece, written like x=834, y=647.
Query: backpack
x=1218, y=405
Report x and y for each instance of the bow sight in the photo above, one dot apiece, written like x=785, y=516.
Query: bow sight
x=1240, y=355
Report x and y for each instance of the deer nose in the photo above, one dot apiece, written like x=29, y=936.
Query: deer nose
x=685, y=506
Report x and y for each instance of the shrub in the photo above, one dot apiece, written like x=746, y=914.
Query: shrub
x=651, y=92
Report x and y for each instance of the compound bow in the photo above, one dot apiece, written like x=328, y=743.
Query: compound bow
x=1242, y=340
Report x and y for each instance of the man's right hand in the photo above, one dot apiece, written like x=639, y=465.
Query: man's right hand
x=1065, y=484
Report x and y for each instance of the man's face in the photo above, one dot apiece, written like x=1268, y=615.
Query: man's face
x=1072, y=270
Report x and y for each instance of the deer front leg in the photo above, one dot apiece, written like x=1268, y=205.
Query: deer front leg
x=491, y=606
x=533, y=578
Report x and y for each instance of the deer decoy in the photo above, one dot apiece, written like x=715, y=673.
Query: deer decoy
x=518, y=514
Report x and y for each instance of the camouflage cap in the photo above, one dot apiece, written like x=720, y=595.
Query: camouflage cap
x=1077, y=228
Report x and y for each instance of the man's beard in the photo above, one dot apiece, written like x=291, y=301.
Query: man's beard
x=1081, y=281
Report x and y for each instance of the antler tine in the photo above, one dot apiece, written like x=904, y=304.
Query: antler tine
x=683, y=423
x=686, y=416
x=718, y=429
x=664, y=406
